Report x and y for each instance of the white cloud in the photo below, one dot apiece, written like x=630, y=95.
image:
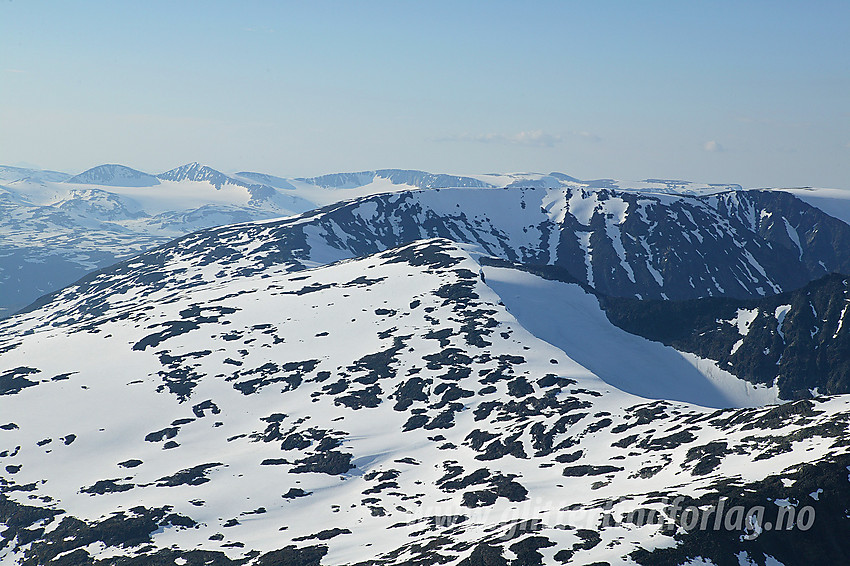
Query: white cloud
x=712, y=146
x=536, y=137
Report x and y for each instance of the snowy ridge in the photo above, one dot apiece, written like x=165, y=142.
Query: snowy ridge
x=19, y=174
x=39, y=238
x=265, y=179
x=409, y=178
x=657, y=238
x=196, y=172
x=233, y=417
x=641, y=367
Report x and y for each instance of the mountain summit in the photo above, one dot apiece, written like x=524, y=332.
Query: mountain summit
x=112, y=175
x=196, y=172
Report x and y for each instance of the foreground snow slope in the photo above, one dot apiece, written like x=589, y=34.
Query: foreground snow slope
x=383, y=410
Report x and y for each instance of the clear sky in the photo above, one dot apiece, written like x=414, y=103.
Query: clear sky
x=750, y=92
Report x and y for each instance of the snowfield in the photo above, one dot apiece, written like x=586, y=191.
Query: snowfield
x=344, y=412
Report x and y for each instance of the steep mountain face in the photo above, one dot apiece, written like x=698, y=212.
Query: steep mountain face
x=835, y=202
x=383, y=410
x=202, y=173
x=796, y=339
x=114, y=176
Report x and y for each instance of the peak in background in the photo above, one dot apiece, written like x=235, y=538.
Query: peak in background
x=114, y=176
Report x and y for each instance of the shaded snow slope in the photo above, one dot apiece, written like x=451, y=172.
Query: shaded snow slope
x=569, y=318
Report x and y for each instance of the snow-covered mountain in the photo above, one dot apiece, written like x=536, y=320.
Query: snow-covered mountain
x=114, y=176
x=265, y=179
x=197, y=172
x=57, y=224
x=19, y=174
x=56, y=228
x=386, y=409
x=426, y=375
x=618, y=243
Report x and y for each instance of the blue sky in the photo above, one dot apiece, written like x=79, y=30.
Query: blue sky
x=752, y=92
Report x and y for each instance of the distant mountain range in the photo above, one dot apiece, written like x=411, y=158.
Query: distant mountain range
x=419, y=179
x=58, y=227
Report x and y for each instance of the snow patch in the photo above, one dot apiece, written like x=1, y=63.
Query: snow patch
x=841, y=319
x=779, y=314
x=743, y=319
x=795, y=237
